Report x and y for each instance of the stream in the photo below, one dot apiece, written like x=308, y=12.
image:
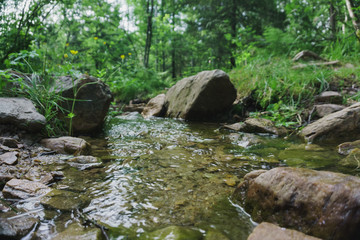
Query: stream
x=166, y=172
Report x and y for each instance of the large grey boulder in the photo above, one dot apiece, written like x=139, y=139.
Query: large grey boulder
x=93, y=98
x=200, y=97
x=269, y=231
x=335, y=126
x=21, y=113
x=319, y=203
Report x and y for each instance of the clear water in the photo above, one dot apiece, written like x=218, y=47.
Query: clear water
x=164, y=172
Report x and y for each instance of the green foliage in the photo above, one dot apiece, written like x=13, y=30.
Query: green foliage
x=278, y=42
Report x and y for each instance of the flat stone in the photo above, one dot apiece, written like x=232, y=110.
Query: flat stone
x=262, y=125
x=235, y=126
x=9, y=158
x=63, y=200
x=22, y=189
x=77, y=232
x=84, y=162
x=269, y=231
x=22, y=113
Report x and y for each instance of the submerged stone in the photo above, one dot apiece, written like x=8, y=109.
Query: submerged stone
x=173, y=233
x=63, y=200
x=84, y=162
x=14, y=226
x=77, y=232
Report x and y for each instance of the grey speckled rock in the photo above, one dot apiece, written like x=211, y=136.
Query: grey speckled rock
x=200, y=97
x=21, y=113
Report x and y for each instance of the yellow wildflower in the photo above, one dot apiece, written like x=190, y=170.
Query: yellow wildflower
x=74, y=52
x=66, y=56
x=104, y=43
x=96, y=38
x=129, y=53
x=67, y=44
x=122, y=56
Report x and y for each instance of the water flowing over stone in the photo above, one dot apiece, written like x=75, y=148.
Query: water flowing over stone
x=21, y=113
x=92, y=103
x=16, y=227
x=200, y=97
x=320, y=203
x=341, y=124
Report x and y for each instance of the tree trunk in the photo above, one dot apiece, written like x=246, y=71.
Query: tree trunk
x=332, y=13
x=149, y=32
x=233, y=34
x=354, y=19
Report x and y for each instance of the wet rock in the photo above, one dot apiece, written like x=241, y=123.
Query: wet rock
x=235, y=126
x=346, y=147
x=17, y=188
x=335, y=126
x=84, y=162
x=352, y=160
x=215, y=235
x=320, y=203
x=262, y=125
x=75, y=232
x=326, y=109
x=67, y=145
x=269, y=231
x=4, y=177
x=173, y=233
x=94, y=98
x=63, y=200
x=37, y=174
x=9, y=142
x=16, y=227
x=21, y=113
x=155, y=107
x=9, y=158
x=329, y=97
x=200, y=97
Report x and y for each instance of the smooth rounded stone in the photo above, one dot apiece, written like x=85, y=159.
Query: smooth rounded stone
x=269, y=231
x=84, y=162
x=173, y=233
x=347, y=147
x=200, y=97
x=155, y=107
x=320, y=203
x=22, y=189
x=63, y=200
x=22, y=113
x=325, y=109
x=329, y=97
x=343, y=124
x=9, y=158
x=93, y=101
x=67, y=145
x=77, y=232
x=262, y=125
x=13, y=226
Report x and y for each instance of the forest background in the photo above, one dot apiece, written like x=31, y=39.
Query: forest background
x=141, y=47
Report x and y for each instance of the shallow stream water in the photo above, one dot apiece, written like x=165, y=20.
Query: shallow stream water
x=166, y=172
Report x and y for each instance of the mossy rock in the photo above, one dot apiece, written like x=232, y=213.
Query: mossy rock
x=75, y=232
x=173, y=233
x=63, y=200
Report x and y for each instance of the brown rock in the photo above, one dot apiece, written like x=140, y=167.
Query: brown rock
x=235, y=126
x=335, y=126
x=155, y=107
x=269, y=231
x=346, y=147
x=17, y=188
x=319, y=203
x=262, y=125
x=67, y=145
x=200, y=97
x=9, y=142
